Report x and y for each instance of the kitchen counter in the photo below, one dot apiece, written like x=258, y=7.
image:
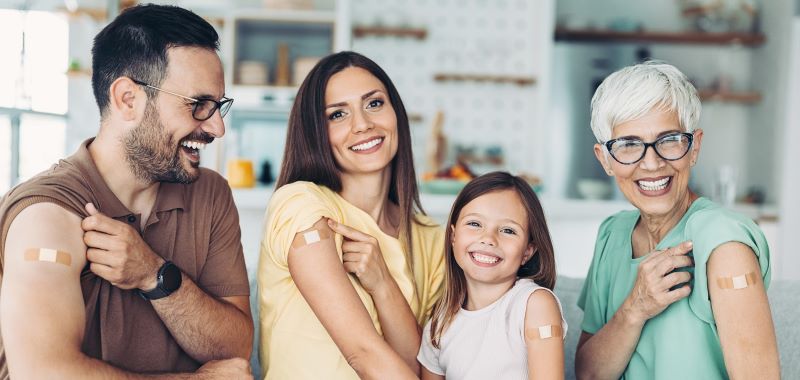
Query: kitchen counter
x=438, y=205
x=573, y=223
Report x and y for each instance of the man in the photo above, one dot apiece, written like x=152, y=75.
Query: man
x=125, y=258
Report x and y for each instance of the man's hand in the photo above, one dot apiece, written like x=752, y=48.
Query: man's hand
x=118, y=253
x=236, y=368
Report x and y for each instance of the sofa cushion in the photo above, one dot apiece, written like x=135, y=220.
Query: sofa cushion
x=784, y=300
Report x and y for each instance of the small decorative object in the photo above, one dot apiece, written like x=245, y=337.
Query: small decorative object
x=289, y=4
x=302, y=66
x=240, y=173
x=437, y=144
x=282, y=71
x=623, y=24
x=266, y=177
x=721, y=16
x=253, y=73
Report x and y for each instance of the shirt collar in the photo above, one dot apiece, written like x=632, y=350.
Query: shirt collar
x=170, y=195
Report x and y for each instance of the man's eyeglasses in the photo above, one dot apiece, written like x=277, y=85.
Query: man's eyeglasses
x=202, y=109
x=670, y=147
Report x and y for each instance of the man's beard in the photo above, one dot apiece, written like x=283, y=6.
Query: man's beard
x=152, y=155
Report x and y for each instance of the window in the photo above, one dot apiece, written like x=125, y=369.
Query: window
x=33, y=92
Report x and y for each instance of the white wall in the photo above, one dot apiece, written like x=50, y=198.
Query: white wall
x=787, y=264
x=500, y=37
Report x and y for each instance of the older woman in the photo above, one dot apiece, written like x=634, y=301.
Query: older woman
x=677, y=288
x=349, y=267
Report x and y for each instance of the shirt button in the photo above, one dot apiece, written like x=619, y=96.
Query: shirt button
x=131, y=219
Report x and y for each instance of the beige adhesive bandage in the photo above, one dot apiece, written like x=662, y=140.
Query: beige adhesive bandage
x=310, y=237
x=544, y=332
x=737, y=282
x=49, y=255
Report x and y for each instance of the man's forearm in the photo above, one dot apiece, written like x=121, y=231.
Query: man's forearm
x=205, y=327
x=607, y=353
x=83, y=367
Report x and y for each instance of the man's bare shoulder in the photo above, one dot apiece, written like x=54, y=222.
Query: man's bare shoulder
x=44, y=226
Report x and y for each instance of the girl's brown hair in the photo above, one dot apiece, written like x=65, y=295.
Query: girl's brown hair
x=308, y=155
x=541, y=267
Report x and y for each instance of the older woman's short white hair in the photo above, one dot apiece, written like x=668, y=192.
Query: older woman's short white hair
x=633, y=91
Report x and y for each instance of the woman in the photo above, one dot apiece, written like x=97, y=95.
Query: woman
x=658, y=301
x=346, y=203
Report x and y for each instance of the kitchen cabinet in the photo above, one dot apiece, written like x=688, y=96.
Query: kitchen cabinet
x=267, y=54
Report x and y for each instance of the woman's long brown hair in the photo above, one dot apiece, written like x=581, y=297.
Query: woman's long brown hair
x=308, y=155
x=541, y=267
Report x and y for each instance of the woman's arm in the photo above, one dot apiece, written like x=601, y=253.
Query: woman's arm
x=319, y=275
x=363, y=257
x=605, y=354
x=742, y=315
x=545, y=354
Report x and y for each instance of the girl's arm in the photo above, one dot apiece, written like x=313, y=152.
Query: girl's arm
x=319, y=275
x=545, y=355
x=743, y=318
x=428, y=375
x=363, y=257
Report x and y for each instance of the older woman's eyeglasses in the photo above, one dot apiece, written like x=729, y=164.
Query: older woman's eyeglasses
x=202, y=109
x=669, y=147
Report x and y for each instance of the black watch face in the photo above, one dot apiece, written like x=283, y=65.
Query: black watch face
x=171, y=278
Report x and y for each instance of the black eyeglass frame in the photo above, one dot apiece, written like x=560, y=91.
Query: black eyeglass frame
x=218, y=105
x=688, y=135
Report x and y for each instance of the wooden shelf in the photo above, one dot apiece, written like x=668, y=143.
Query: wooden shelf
x=363, y=31
x=519, y=80
x=746, y=97
x=592, y=35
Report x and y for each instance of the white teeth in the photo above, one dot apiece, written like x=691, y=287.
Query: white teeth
x=194, y=145
x=368, y=144
x=654, y=185
x=484, y=258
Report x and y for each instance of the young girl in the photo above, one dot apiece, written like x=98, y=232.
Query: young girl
x=498, y=317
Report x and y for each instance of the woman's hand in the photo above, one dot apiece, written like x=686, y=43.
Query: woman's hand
x=362, y=256
x=653, y=290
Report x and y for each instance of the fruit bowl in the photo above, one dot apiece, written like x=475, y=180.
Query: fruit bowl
x=442, y=186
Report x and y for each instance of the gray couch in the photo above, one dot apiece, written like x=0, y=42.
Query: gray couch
x=784, y=299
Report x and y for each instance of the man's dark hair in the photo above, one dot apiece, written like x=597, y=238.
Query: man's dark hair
x=135, y=45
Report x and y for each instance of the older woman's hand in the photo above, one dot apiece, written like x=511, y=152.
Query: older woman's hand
x=362, y=256
x=653, y=290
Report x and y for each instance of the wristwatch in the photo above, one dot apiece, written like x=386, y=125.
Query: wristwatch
x=168, y=280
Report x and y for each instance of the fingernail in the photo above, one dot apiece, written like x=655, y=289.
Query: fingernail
x=689, y=244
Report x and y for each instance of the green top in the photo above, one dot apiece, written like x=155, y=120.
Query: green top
x=682, y=341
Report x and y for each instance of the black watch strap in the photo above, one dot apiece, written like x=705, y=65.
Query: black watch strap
x=168, y=280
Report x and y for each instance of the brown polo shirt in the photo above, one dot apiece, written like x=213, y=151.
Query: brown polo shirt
x=196, y=226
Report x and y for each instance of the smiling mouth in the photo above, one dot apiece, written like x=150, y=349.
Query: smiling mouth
x=193, y=148
x=657, y=185
x=367, y=145
x=484, y=259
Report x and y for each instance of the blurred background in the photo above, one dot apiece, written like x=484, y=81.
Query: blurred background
x=488, y=85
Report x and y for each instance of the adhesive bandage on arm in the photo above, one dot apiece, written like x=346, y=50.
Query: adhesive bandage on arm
x=48, y=255
x=310, y=237
x=737, y=282
x=544, y=332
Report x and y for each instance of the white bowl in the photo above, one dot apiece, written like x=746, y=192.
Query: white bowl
x=590, y=188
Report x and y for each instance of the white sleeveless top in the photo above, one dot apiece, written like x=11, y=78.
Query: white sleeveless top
x=485, y=344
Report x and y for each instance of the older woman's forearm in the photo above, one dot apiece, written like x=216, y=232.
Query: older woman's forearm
x=606, y=354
